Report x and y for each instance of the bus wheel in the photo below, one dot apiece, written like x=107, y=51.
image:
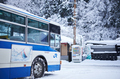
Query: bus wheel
x=37, y=69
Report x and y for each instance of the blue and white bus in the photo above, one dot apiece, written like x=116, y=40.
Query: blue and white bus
x=29, y=44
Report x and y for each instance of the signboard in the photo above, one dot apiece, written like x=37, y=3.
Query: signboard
x=21, y=53
x=76, y=50
x=88, y=51
x=76, y=53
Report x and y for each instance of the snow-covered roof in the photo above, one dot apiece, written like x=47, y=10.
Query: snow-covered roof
x=106, y=42
x=65, y=39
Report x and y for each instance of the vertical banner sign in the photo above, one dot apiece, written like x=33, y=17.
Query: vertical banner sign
x=76, y=53
x=21, y=53
x=76, y=50
x=88, y=51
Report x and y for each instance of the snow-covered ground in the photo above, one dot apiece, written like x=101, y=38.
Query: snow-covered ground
x=87, y=69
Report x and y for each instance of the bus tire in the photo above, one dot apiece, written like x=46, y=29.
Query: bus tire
x=37, y=68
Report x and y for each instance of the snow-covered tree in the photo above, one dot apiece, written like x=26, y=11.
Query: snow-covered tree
x=96, y=19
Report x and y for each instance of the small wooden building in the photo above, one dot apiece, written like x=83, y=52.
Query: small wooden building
x=64, y=49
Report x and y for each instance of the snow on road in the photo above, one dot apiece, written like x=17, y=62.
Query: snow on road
x=87, y=69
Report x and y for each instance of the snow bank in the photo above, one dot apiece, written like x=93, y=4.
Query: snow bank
x=107, y=42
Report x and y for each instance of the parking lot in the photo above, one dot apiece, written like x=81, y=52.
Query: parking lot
x=87, y=69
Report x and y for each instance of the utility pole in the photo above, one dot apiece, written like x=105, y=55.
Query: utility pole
x=74, y=27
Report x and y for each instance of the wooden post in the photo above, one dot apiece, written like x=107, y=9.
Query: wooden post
x=74, y=28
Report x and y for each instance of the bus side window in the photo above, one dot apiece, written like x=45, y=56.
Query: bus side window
x=16, y=38
x=12, y=32
x=52, y=39
x=31, y=40
x=44, y=37
x=57, y=40
x=4, y=37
